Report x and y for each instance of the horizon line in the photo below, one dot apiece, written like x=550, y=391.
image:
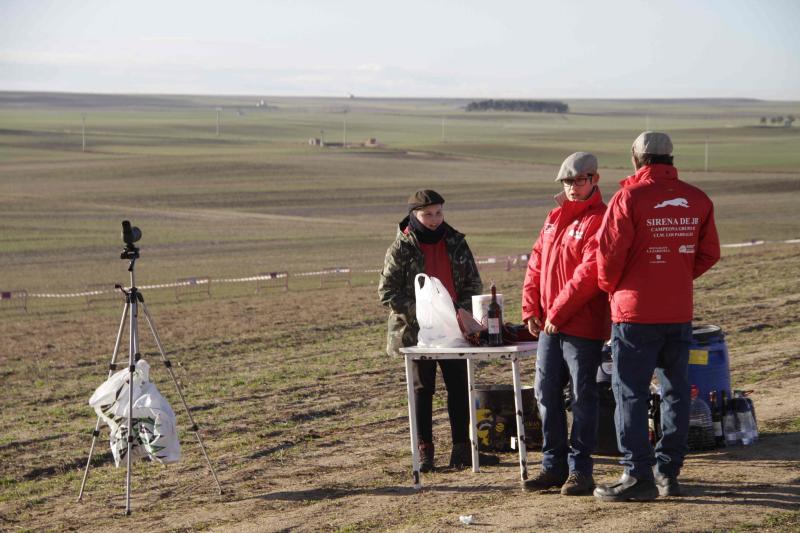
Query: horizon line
x=394, y=97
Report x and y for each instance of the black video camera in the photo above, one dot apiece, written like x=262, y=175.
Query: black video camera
x=130, y=234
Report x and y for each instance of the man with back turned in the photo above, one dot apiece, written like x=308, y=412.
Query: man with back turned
x=658, y=235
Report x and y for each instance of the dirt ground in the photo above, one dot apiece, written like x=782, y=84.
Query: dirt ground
x=306, y=423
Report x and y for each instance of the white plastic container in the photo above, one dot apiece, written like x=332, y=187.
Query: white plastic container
x=480, y=304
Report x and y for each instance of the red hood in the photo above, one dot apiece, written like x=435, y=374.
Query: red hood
x=573, y=209
x=651, y=173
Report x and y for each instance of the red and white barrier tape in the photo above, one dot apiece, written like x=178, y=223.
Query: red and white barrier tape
x=342, y=270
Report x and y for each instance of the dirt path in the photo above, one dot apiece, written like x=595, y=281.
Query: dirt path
x=305, y=421
x=368, y=485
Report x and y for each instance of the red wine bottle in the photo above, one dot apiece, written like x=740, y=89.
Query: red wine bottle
x=729, y=428
x=495, y=320
x=716, y=418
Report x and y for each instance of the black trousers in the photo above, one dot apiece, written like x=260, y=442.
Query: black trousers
x=454, y=373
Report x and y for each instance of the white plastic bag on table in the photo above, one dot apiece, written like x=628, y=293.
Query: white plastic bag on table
x=154, y=430
x=436, y=315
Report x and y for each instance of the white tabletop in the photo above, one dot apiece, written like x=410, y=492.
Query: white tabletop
x=510, y=349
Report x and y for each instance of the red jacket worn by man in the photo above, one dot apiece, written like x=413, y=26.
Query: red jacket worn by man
x=561, y=280
x=658, y=237
x=562, y=303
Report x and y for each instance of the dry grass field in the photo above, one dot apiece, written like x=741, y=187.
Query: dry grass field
x=303, y=414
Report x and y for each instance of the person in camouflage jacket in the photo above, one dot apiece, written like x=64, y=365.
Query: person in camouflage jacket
x=404, y=260
x=425, y=244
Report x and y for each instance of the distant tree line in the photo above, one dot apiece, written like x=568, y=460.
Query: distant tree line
x=532, y=106
x=779, y=120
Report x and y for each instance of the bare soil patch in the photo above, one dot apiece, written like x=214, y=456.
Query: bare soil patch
x=306, y=422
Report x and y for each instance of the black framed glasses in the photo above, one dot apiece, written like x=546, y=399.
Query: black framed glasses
x=577, y=182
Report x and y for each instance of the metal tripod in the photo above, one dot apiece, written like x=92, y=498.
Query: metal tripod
x=133, y=299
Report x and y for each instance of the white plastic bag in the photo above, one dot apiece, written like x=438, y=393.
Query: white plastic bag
x=436, y=315
x=154, y=430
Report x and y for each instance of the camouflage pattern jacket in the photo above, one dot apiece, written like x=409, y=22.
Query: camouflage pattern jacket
x=404, y=260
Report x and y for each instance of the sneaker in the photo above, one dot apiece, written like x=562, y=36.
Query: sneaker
x=426, y=457
x=667, y=485
x=546, y=479
x=627, y=488
x=578, y=484
x=461, y=457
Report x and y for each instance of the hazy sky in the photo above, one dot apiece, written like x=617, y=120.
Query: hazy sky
x=464, y=48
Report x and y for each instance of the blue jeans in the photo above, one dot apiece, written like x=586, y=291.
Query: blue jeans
x=558, y=358
x=639, y=350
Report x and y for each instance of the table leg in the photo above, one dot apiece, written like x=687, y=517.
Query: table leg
x=523, y=452
x=412, y=422
x=473, y=417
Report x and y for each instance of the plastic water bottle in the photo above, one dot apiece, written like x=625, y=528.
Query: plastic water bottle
x=752, y=409
x=701, y=427
x=730, y=426
x=744, y=418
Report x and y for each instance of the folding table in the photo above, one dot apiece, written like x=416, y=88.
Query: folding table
x=512, y=353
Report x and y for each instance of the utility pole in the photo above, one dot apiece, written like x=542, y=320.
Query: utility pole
x=706, y=165
x=344, y=127
x=219, y=113
x=83, y=132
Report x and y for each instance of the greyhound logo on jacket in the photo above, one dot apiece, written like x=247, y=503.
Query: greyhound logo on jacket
x=675, y=202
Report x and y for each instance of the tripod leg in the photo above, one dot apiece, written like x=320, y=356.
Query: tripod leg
x=111, y=368
x=168, y=365
x=133, y=356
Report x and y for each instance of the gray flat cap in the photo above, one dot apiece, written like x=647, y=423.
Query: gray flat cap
x=652, y=142
x=578, y=164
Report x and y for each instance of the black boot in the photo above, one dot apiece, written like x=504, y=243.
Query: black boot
x=426, y=457
x=461, y=457
x=627, y=488
x=667, y=485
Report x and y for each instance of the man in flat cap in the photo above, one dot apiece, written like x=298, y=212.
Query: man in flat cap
x=426, y=244
x=562, y=304
x=657, y=236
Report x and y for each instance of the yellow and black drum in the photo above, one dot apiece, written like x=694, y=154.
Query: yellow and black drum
x=494, y=406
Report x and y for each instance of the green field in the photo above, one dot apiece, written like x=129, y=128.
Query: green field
x=304, y=415
x=258, y=198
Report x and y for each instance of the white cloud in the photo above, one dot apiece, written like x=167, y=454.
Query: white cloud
x=30, y=57
x=369, y=68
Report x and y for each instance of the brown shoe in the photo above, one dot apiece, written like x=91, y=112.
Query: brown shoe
x=543, y=481
x=578, y=484
x=426, y=457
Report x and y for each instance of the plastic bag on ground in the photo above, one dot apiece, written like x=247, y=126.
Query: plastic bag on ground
x=154, y=430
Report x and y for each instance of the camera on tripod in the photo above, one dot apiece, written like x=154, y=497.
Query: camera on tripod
x=130, y=234
x=130, y=434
